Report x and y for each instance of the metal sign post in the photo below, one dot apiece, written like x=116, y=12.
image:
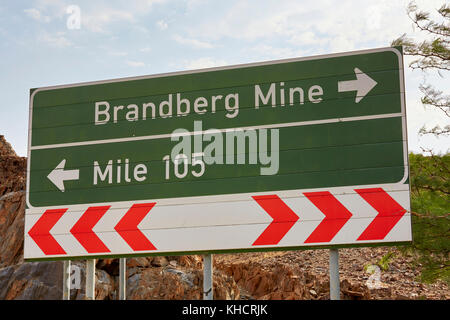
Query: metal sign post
x=122, y=278
x=90, y=279
x=66, y=280
x=335, y=292
x=208, y=289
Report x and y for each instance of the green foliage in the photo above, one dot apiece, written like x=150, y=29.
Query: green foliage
x=429, y=175
x=432, y=54
x=385, y=260
x=430, y=208
x=434, y=51
x=370, y=268
x=383, y=263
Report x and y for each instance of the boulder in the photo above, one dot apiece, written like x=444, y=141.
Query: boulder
x=32, y=281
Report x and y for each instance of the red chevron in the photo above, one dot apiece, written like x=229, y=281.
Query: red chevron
x=82, y=230
x=128, y=230
x=283, y=219
x=336, y=215
x=40, y=232
x=389, y=213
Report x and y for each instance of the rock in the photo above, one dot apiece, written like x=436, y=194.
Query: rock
x=139, y=262
x=12, y=169
x=104, y=285
x=5, y=276
x=187, y=279
x=5, y=148
x=133, y=284
x=160, y=261
x=170, y=283
x=265, y=285
x=173, y=263
x=132, y=271
x=32, y=281
x=193, y=261
x=154, y=284
x=12, y=217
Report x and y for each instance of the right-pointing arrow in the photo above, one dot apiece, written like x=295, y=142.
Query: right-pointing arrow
x=389, y=213
x=283, y=219
x=336, y=216
x=362, y=85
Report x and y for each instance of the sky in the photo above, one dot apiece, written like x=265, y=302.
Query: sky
x=51, y=42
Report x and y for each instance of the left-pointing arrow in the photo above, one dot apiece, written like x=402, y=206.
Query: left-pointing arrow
x=40, y=232
x=128, y=229
x=59, y=175
x=82, y=230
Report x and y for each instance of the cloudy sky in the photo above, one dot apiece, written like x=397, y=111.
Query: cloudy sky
x=42, y=44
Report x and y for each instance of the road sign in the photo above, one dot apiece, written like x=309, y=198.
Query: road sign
x=280, y=154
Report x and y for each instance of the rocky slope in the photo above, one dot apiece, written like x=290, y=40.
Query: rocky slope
x=305, y=275
x=268, y=275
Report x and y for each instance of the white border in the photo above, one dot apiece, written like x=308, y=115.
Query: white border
x=230, y=197
x=169, y=222
x=272, y=62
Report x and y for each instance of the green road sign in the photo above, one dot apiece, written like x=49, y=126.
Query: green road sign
x=289, y=153
x=339, y=121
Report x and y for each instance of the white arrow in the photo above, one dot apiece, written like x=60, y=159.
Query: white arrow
x=362, y=85
x=59, y=175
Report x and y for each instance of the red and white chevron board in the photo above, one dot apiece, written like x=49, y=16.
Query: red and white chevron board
x=335, y=216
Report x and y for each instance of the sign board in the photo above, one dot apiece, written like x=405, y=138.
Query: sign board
x=281, y=154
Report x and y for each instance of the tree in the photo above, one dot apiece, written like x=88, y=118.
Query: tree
x=432, y=54
x=429, y=173
x=430, y=215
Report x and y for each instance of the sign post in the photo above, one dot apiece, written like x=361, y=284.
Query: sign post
x=288, y=154
x=122, y=279
x=66, y=279
x=335, y=291
x=208, y=287
x=90, y=279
